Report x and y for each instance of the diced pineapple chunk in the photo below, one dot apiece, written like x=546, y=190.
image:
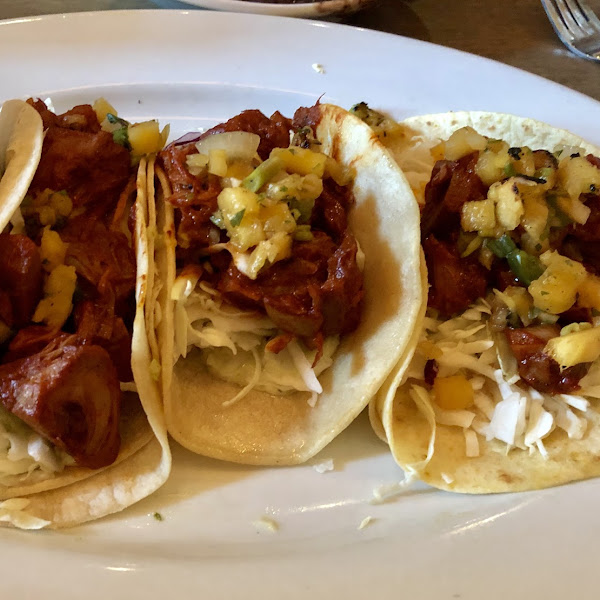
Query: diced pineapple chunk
x=52, y=250
x=196, y=163
x=55, y=308
x=479, y=215
x=266, y=252
x=102, y=107
x=144, y=138
x=49, y=206
x=524, y=164
x=578, y=176
x=535, y=215
x=301, y=160
x=217, y=162
x=556, y=289
x=517, y=300
x=239, y=169
x=233, y=200
x=62, y=203
x=462, y=142
x=491, y=163
x=277, y=218
x=509, y=206
x=247, y=234
x=589, y=292
x=576, y=347
x=453, y=393
x=308, y=188
x=574, y=208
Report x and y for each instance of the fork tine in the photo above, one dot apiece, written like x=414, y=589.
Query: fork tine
x=589, y=13
x=579, y=17
x=557, y=21
x=576, y=25
x=567, y=18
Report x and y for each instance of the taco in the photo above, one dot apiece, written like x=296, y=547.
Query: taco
x=288, y=264
x=503, y=391
x=81, y=427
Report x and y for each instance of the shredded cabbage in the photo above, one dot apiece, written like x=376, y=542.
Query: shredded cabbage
x=22, y=451
x=520, y=417
x=233, y=344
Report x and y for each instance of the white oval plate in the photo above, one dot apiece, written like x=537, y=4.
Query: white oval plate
x=319, y=8
x=196, y=68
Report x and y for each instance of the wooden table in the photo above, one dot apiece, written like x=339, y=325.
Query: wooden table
x=515, y=32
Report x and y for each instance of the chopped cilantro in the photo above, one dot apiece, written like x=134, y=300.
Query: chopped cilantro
x=114, y=120
x=121, y=137
x=237, y=218
x=217, y=219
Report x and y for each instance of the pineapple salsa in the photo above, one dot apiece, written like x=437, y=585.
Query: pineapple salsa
x=511, y=341
x=268, y=274
x=45, y=213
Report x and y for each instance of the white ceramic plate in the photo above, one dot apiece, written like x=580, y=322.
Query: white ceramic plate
x=300, y=8
x=195, y=69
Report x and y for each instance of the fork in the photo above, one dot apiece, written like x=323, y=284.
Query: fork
x=576, y=25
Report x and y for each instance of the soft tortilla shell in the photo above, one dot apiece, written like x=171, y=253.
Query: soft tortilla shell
x=104, y=493
x=517, y=131
x=406, y=428
x=494, y=470
x=274, y=430
x=21, y=140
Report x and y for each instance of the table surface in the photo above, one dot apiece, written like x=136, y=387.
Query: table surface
x=515, y=32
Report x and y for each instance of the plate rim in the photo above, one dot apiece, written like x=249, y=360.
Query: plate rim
x=319, y=8
x=139, y=576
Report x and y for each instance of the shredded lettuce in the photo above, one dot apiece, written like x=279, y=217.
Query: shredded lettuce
x=233, y=344
x=23, y=451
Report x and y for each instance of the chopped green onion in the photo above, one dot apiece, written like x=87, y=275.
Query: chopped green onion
x=527, y=268
x=501, y=247
x=301, y=207
x=509, y=170
x=263, y=174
